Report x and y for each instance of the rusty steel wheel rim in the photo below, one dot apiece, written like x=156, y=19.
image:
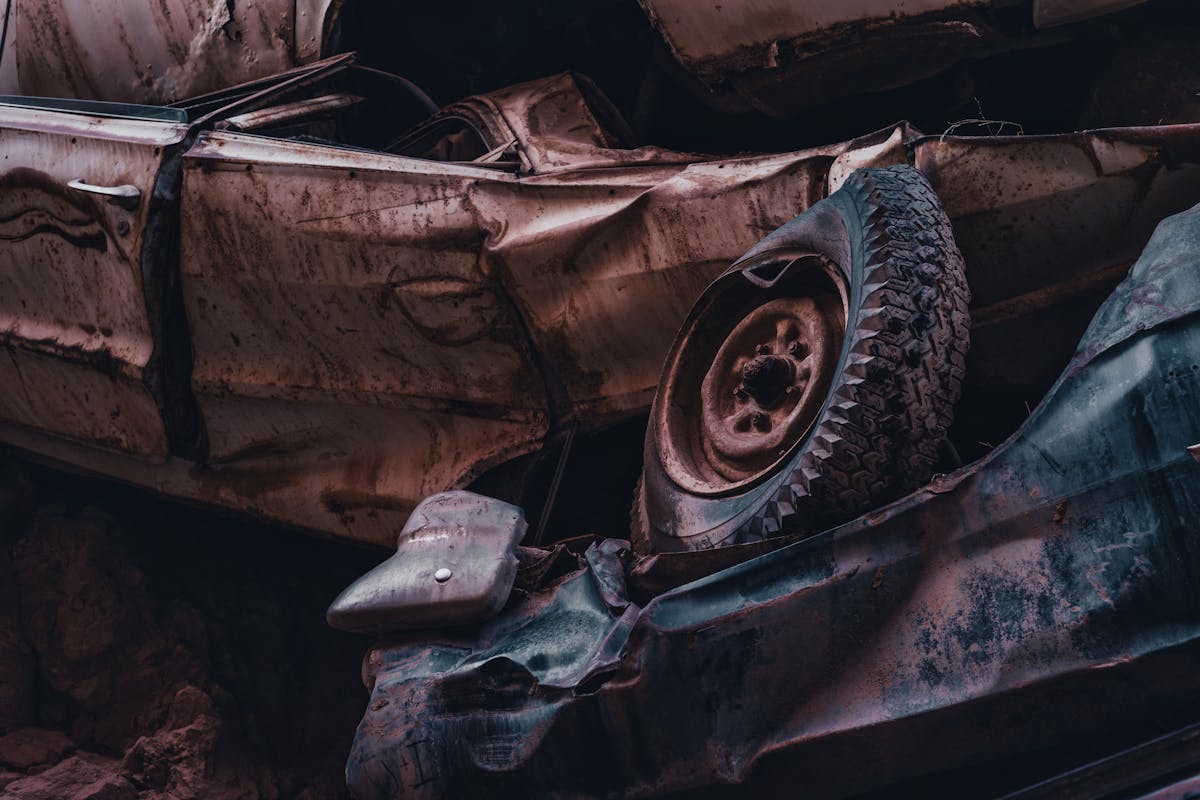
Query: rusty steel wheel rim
x=750, y=379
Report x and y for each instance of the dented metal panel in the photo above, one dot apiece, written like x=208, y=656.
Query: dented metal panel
x=559, y=126
x=605, y=249
x=378, y=328
x=368, y=329
x=781, y=57
x=605, y=264
x=703, y=32
x=360, y=287
x=345, y=323
x=149, y=52
x=78, y=340
x=1031, y=212
x=1019, y=603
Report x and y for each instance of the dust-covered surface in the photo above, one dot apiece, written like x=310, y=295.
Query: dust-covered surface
x=149, y=650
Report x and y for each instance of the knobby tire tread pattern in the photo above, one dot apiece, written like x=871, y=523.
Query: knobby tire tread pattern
x=892, y=406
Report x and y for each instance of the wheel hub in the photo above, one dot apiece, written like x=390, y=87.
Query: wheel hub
x=751, y=381
x=755, y=395
x=766, y=378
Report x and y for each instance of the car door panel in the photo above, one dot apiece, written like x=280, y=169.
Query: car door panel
x=79, y=344
x=347, y=328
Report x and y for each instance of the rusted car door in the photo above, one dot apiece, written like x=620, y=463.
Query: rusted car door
x=80, y=351
x=353, y=350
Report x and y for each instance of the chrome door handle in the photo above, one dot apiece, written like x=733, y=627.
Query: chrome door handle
x=126, y=196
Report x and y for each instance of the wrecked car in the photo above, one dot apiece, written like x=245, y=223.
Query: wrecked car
x=981, y=631
x=777, y=58
x=286, y=300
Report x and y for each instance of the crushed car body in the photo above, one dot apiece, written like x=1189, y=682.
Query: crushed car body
x=1027, y=599
x=287, y=318
x=915, y=482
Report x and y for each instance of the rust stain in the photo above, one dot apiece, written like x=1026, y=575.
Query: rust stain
x=153, y=52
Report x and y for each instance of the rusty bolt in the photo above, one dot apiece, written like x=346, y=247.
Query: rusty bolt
x=759, y=421
x=740, y=393
x=123, y=228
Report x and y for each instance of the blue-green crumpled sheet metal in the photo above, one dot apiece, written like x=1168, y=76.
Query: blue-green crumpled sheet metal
x=1045, y=592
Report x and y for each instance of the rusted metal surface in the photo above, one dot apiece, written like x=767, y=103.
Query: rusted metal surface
x=782, y=56
x=346, y=329
x=1033, y=211
x=557, y=120
x=599, y=236
x=1025, y=600
x=78, y=340
x=455, y=563
x=153, y=51
x=741, y=402
x=363, y=330
x=383, y=328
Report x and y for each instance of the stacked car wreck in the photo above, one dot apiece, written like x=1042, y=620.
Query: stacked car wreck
x=1057, y=566
x=917, y=484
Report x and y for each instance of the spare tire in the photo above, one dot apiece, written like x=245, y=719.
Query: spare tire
x=816, y=378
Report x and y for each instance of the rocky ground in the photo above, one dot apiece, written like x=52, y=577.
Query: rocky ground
x=149, y=650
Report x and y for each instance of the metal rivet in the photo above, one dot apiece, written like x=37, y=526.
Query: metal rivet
x=442, y=575
x=123, y=228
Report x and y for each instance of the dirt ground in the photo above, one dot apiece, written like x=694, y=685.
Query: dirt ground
x=150, y=650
